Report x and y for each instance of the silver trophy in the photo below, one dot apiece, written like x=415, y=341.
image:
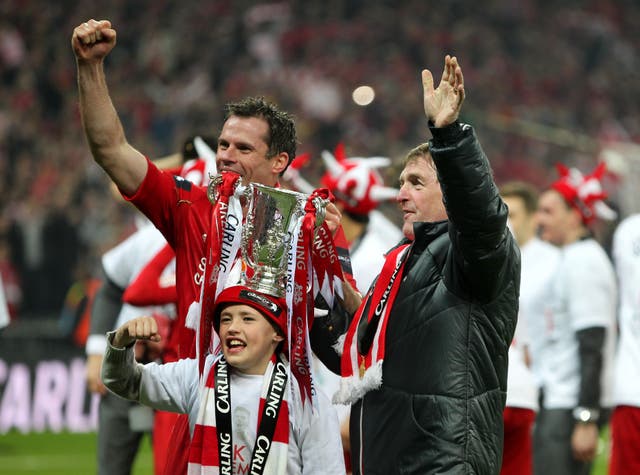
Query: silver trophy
x=271, y=220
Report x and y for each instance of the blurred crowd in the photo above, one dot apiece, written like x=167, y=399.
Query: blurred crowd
x=551, y=81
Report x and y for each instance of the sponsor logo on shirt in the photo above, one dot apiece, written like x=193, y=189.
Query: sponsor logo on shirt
x=182, y=183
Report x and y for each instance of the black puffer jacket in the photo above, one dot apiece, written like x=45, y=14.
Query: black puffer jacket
x=445, y=370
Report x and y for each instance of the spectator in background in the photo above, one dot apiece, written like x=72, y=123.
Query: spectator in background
x=539, y=261
x=574, y=359
x=10, y=280
x=62, y=249
x=46, y=248
x=625, y=419
x=27, y=244
x=4, y=310
x=75, y=315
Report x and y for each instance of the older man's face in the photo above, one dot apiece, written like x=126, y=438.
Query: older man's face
x=420, y=196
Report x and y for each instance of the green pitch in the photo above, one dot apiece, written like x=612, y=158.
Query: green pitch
x=75, y=454
x=59, y=454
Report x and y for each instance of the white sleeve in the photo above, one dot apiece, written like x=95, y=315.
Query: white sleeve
x=170, y=387
x=521, y=333
x=592, y=291
x=118, y=262
x=624, y=256
x=321, y=445
x=123, y=262
x=96, y=345
x=4, y=310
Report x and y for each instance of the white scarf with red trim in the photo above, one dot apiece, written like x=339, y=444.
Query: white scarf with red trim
x=204, y=458
x=362, y=372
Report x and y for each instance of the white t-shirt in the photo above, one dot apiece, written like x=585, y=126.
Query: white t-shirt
x=626, y=255
x=174, y=387
x=583, y=295
x=368, y=256
x=522, y=391
x=538, y=262
x=122, y=264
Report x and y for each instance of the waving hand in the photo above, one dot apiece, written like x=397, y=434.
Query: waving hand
x=442, y=105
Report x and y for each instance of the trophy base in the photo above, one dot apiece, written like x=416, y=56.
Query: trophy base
x=268, y=282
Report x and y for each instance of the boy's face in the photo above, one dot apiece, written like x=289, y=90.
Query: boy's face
x=248, y=339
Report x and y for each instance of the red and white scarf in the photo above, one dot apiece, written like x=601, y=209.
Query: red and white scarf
x=362, y=371
x=222, y=246
x=208, y=455
x=313, y=267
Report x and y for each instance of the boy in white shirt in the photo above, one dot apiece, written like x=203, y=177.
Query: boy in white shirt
x=248, y=376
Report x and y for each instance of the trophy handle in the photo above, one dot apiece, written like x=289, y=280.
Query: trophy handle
x=212, y=188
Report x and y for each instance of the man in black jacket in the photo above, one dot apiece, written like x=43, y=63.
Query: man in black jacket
x=425, y=358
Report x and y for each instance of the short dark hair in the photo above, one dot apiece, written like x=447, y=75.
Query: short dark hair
x=282, y=129
x=525, y=191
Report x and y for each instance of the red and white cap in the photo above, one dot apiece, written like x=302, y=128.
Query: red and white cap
x=272, y=307
x=584, y=193
x=355, y=181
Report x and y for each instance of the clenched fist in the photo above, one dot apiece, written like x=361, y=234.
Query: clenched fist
x=93, y=40
x=141, y=328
